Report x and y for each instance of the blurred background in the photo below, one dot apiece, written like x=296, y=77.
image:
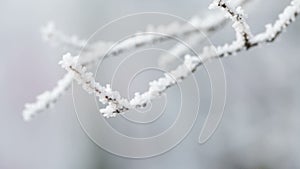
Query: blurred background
x=261, y=123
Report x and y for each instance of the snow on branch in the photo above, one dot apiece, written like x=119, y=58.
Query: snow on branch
x=105, y=94
x=116, y=104
x=56, y=37
x=97, y=50
x=152, y=35
x=47, y=99
x=285, y=19
x=208, y=24
x=244, y=41
x=214, y=22
x=240, y=26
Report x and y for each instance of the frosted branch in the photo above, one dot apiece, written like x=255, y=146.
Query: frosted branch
x=116, y=104
x=97, y=50
x=240, y=26
x=56, y=37
x=51, y=34
x=104, y=94
x=274, y=30
x=244, y=41
x=47, y=99
x=213, y=23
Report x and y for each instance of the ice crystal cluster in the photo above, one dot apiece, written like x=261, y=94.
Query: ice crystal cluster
x=77, y=68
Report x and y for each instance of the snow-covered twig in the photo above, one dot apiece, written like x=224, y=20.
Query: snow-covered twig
x=56, y=37
x=273, y=31
x=105, y=94
x=50, y=33
x=244, y=41
x=240, y=26
x=151, y=35
x=213, y=22
x=47, y=99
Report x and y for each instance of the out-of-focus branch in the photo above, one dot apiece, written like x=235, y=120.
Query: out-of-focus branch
x=48, y=98
x=58, y=38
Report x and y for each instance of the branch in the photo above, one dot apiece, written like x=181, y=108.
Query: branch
x=214, y=22
x=105, y=94
x=240, y=26
x=244, y=41
x=58, y=38
x=208, y=24
x=95, y=51
x=47, y=99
